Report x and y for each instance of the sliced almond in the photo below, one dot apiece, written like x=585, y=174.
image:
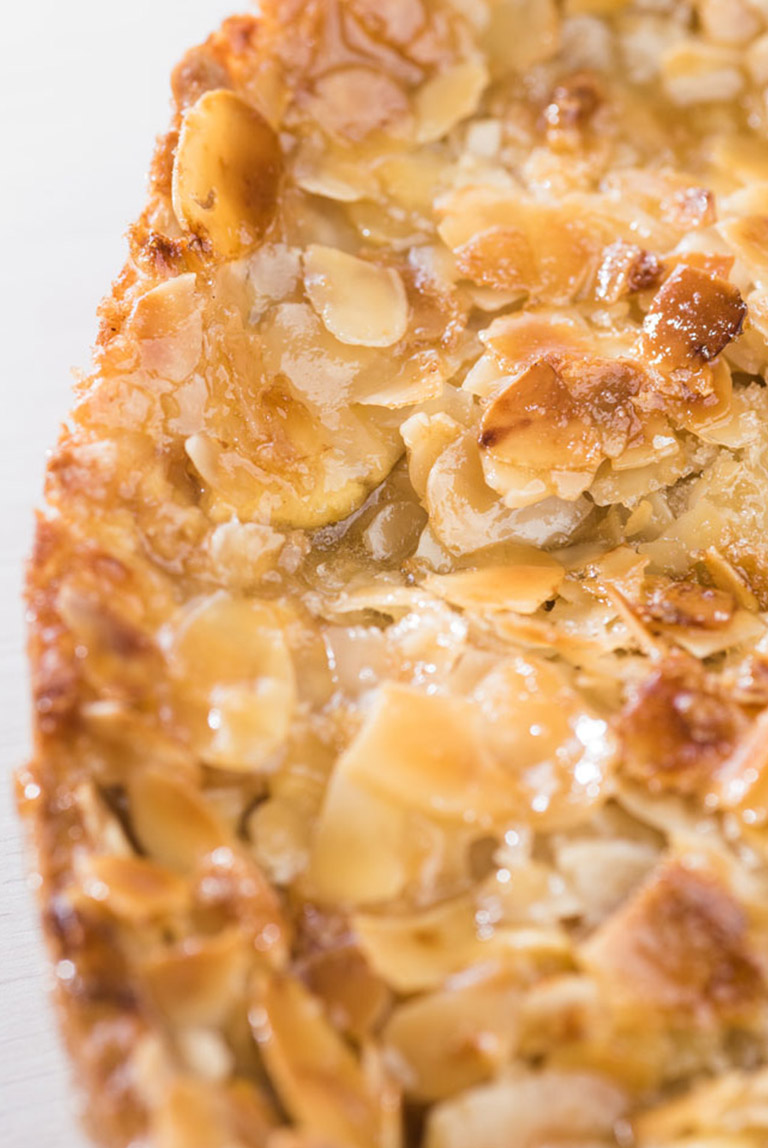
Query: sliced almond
x=448, y=98
x=168, y=323
x=520, y=338
x=236, y=679
x=226, y=173
x=509, y=241
x=692, y=318
x=522, y=586
x=420, y=378
x=134, y=888
x=680, y=945
x=420, y=950
x=748, y=237
x=426, y=437
x=355, y=822
x=197, y=981
x=697, y=72
x=500, y=257
x=466, y=514
x=449, y=1040
x=558, y=753
x=360, y=303
x=425, y=752
x=318, y=1078
x=520, y=1110
x=565, y=412
x=196, y=1114
x=707, y=1111
x=172, y=820
x=351, y=103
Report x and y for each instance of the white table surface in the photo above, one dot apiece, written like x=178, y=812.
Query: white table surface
x=83, y=91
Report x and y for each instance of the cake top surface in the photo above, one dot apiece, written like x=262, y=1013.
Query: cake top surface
x=399, y=609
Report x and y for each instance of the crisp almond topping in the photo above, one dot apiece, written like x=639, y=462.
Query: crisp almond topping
x=398, y=615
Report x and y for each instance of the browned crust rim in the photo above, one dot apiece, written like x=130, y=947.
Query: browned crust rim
x=100, y=1015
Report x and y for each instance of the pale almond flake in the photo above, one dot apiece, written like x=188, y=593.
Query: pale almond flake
x=360, y=303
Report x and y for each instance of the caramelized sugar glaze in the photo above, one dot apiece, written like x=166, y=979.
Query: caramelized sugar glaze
x=399, y=651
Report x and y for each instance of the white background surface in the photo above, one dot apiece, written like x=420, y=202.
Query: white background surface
x=84, y=88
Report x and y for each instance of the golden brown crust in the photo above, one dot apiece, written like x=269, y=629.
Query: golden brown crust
x=398, y=662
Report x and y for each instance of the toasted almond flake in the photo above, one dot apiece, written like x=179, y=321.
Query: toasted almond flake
x=511, y=241
x=318, y=1078
x=249, y=723
x=354, y=821
x=467, y=515
x=743, y=628
x=692, y=319
x=513, y=340
x=226, y=173
x=330, y=175
x=197, y=982
x=680, y=945
x=454, y=1038
x=387, y=598
x=521, y=488
x=522, y=586
x=237, y=709
x=349, y=990
x=501, y=258
x=604, y=872
x=725, y=576
x=484, y=376
x=172, y=821
x=447, y=98
x=101, y=825
x=243, y=552
x=186, y=1118
x=747, y=236
x=729, y=21
x=168, y=323
x=134, y=888
x=707, y=1111
x=196, y=1113
x=742, y=780
x=426, y=436
x=743, y=159
x=517, y=1111
x=425, y=752
x=419, y=379
x=418, y=951
x=351, y=103
x=640, y=518
x=640, y=634
x=559, y=754
x=757, y=59
x=565, y=411
x=360, y=303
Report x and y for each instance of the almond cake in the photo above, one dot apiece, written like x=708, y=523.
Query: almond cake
x=399, y=608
